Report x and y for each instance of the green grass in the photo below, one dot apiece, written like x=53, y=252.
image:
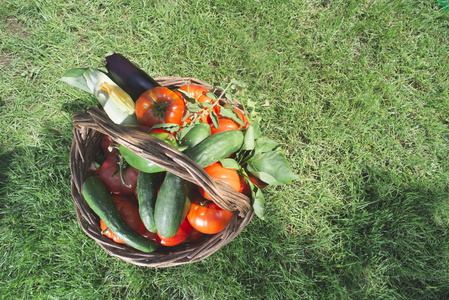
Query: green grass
x=359, y=100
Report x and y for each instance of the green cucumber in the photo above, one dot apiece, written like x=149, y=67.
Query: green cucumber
x=172, y=194
x=215, y=147
x=147, y=187
x=169, y=205
x=97, y=196
x=195, y=134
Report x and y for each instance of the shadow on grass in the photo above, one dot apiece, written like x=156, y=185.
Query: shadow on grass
x=5, y=161
x=394, y=242
x=75, y=106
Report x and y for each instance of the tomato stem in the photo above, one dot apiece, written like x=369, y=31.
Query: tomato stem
x=121, y=167
x=222, y=93
x=204, y=111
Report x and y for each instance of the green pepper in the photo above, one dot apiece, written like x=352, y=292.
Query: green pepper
x=145, y=165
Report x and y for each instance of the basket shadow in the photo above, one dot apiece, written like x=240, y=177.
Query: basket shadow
x=76, y=105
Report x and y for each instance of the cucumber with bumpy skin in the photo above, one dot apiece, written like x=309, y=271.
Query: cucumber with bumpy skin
x=97, y=196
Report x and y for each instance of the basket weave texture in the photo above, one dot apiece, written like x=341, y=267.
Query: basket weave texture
x=88, y=128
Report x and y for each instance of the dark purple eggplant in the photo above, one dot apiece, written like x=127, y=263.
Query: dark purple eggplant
x=130, y=78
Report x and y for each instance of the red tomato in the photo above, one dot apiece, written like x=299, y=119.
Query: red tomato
x=224, y=124
x=194, y=236
x=245, y=188
x=198, y=92
x=129, y=211
x=228, y=176
x=181, y=96
x=159, y=105
x=259, y=183
x=109, y=173
x=207, y=217
x=180, y=236
x=157, y=131
x=149, y=235
x=256, y=180
x=107, y=142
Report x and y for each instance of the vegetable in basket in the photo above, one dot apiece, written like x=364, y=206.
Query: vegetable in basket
x=116, y=103
x=129, y=211
x=99, y=200
x=181, y=235
x=133, y=80
x=206, y=216
x=159, y=105
x=227, y=175
x=169, y=203
x=148, y=185
x=143, y=164
x=118, y=177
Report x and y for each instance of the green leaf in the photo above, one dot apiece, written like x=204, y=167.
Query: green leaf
x=187, y=96
x=229, y=96
x=268, y=163
x=228, y=112
x=214, y=118
x=252, y=134
x=259, y=201
x=207, y=105
x=75, y=77
x=251, y=104
x=75, y=72
x=255, y=123
x=181, y=133
x=272, y=168
x=212, y=95
x=194, y=107
x=264, y=145
x=238, y=83
x=230, y=163
x=248, y=141
x=170, y=127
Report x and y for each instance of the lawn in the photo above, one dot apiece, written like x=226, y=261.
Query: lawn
x=356, y=92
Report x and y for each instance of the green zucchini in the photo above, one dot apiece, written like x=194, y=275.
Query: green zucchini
x=169, y=205
x=196, y=134
x=215, y=147
x=147, y=187
x=97, y=196
x=172, y=194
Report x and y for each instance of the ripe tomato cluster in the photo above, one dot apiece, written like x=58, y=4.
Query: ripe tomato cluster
x=202, y=216
x=162, y=105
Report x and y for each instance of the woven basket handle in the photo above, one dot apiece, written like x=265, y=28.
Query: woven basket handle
x=165, y=156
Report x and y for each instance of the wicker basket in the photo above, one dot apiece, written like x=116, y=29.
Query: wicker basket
x=88, y=128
